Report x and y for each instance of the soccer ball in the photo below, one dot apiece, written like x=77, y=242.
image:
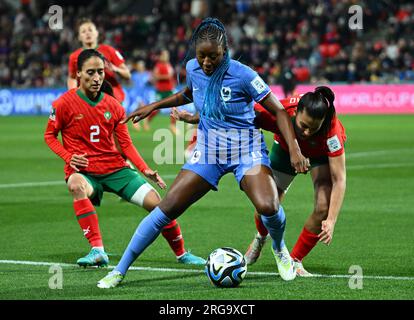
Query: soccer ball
x=226, y=267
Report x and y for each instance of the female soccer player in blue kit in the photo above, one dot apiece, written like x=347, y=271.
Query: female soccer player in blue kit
x=223, y=91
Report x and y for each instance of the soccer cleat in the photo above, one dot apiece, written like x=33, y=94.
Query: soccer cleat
x=300, y=270
x=285, y=264
x=111, y=280
x=254, y=249
x=95, y=257
x=189, y=258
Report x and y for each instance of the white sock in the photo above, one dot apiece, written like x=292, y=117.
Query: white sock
x=178, y=257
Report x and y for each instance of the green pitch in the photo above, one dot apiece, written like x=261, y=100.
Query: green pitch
x=374, y=233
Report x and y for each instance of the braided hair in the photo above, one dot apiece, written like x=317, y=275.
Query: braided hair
x=209, y=30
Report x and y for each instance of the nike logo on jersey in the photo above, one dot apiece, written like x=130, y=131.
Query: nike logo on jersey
x=79, y=116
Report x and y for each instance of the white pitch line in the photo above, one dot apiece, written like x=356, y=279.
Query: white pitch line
x=172, y=176
x=378, y=153
x=40, y=263
x=379, y=165
x=53, y=183
x=31, y=184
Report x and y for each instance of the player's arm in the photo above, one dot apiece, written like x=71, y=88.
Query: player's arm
x=183, y=115
x=76, y=161
x=297, y=160
x=338, y=178
x=122, y=70
x=180, y=98
x=53, y=142
x=129, y=150
x=264, y=119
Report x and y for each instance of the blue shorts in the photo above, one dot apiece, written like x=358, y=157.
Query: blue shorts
x=212, y=172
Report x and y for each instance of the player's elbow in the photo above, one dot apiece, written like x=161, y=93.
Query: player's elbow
x=48, y=137
x=339, y=181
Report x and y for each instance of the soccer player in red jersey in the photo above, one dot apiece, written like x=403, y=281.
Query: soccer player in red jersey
x=88, y=118
x=321, y=138
x=164, y=83
x=114, y=62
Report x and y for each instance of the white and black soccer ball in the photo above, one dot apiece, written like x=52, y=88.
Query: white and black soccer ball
x=226, y=267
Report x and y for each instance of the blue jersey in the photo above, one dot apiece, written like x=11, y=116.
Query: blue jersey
x=141, y=87
x=233, y=144
x=241, y=85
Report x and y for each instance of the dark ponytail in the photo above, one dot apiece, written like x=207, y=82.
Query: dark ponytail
x=319, y=105
x=86, y=54
x=106, y=87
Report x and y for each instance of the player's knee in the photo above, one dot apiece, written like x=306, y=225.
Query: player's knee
x=267, y=207
x=151, y=200
x=323, y=187
x=170, y=205
x=323, y=191
x=77, y=186
x=320, y=212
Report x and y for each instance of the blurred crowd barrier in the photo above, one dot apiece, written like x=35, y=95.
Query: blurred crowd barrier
x=349, y=99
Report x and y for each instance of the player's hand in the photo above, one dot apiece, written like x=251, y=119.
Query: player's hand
x=139, y=114
x=180, y=115
x=326, y=235
x=299, y=162
x=154, y=176
x=78, y=161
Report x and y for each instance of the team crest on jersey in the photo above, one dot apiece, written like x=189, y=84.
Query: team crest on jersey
x=334, y=144
x=107, y=115
x=226, y=93
x=52, y=114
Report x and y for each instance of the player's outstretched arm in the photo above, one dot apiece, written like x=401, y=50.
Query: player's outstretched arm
x=183, y=97
x=297, y=160
x=338, y=178
x=122, y=70
x=129, y=150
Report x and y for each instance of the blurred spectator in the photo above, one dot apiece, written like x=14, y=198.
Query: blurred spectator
x=311, y=37
x=163, y=77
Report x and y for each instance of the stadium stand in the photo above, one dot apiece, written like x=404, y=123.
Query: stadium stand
x=311, y=38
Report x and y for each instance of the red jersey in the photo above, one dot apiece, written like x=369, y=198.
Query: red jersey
x=111, y=55
x=165, y=69
x=88, y=127
x=330, y=144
